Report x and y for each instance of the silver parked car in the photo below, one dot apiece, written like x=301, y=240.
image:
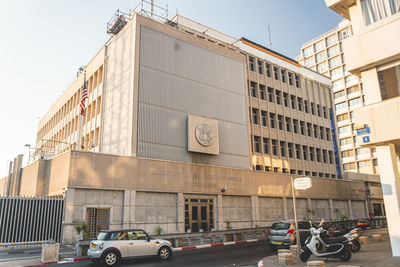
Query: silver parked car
x=282, y=234
x=112, y=246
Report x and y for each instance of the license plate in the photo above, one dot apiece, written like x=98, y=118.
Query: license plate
x=276, y=242
x=93, y=245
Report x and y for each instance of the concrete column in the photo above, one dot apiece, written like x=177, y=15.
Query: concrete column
x=128, y=211
x=180, y=213
x=220, y=214
x=367, y=209
x=285, y=210
x=255, y=213
x=69, y=232
x=351, y=215
x=331, y=209
x=389, y=174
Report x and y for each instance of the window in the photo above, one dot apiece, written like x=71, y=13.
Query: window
x=290, y=150
x=339, y=94
x=270, y=94
x=353, y=89
x=257, y=144
x=374, y=11
x=283, y=76
x=258, y=167
x=287, y=120
x=311, y=149
x=309, y=62
x=341, y=106
x=264, y=118
x=354, y=102
x=389, y=82
x=253, y=89
x=300, y=103
x=268, y=69
x=343, y=34
x=343, y=59
x=315, y=130
x=362, y=151
x=363, y=164
x=324, y=156
x=290, y=78
x=334, y=62
x=308, y=129
x=261, y=89
x=333, y=51
x=344, y=130
x=337, y=84
x=286, y=99
x=321, y=132
x=346, y=141
x=299, y=172
x=336, y=73
x=350, y=80
x=306, y=106
x=331, y=40
x=343, y=117
x=276, y=75
x=347, y=153
x=251, y=63
x=312, y=108
x=305, y=150
x=295, y=126
x=320, y=57
x=308, y=51
x=97, y=219
x=268, y=168
x=255, y=115
x=283, y=148
x=278, y=95
x=319, y=110
x=266, y=145
x=298, y=155
x=330, y=157
x=325, y=113
x=323, y=67
x=319, y=46
x=349, y=166
x=272, y=120
x=293, y=101
x=297, y=78
x=318, y=154
x=274, y=147
x=280, y=122
x=292, y=171
x=260, y=66
x=302, y=128
x=328, y=134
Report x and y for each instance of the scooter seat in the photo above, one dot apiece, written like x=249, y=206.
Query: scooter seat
x=330, y=241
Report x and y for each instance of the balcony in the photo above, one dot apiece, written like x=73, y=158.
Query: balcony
x=378, y=123
x=370, y=48
x=348, y=159
x=341, y=6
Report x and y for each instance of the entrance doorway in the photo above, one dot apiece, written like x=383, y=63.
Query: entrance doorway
x=199, y=214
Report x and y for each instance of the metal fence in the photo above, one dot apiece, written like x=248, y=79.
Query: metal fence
x=24, y=219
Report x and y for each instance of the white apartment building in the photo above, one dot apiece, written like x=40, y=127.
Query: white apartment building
x=325, y=54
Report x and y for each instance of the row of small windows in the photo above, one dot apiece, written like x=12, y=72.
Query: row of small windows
x=282, y=98
x=293, y=171
x=278, y=73
x=291, y=150
x=296, y=126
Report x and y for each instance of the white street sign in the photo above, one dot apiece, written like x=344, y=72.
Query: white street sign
x=302, y=183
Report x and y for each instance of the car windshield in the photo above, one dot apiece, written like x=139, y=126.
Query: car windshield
x=280, y=226
x=111, y=236
x=103, y=236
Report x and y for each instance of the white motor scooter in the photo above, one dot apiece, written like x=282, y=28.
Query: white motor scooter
x=325, y=247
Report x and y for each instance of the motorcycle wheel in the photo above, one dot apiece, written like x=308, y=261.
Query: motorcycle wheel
x=345, y=256
x=304, y=256
x=356, y=246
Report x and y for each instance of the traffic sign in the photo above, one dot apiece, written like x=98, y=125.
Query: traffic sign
x=302, y=183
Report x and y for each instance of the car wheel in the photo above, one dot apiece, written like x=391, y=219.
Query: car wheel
x=304, y=255
x=164, y=253
x=346, y=255
x=111, y=258
x=356, y=245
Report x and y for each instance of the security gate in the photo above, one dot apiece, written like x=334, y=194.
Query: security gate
x=24, y=219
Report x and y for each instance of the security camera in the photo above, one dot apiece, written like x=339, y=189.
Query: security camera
x=223, y=190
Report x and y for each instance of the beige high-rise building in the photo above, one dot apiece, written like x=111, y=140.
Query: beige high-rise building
x=373, y=53
x=326, y=55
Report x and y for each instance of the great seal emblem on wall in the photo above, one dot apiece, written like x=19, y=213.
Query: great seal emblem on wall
x=204, y=134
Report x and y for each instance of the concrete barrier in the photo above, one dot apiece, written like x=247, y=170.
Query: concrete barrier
x=285, y=258
x=315, y=264
x=377, y=238
x=50, y=253
x=293, y=249
x=364, y=240
x=280, y=251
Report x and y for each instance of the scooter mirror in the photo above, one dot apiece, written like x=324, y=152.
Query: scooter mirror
x=322, y=222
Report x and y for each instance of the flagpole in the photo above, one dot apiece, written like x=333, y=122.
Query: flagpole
x=80, y=114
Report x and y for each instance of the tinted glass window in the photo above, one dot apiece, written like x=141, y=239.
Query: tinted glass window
x=280, y=226
x=304, y=225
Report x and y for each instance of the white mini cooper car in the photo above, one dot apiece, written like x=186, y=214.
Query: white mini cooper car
x=112, y=246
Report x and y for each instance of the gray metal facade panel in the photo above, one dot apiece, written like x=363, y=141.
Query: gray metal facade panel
x=177, y=79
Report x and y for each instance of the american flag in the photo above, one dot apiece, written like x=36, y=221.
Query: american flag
x=84, y=96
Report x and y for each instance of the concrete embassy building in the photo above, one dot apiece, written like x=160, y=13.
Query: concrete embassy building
x=188, y=130
x=326, y=55
x=374, y=55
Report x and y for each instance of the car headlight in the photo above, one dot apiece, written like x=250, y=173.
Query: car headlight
x=101, y=246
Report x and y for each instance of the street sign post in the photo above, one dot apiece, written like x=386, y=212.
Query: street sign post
x=303, y=183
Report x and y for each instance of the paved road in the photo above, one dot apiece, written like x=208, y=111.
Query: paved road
x=246, y=254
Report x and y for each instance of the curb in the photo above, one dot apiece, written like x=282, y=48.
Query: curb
x=218, y=244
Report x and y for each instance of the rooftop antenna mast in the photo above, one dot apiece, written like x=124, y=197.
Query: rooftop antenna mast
x=269, y=36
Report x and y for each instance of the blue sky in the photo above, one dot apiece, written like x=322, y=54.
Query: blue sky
x=44, y=42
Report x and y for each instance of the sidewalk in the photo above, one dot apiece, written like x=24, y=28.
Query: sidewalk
x=372, y=255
